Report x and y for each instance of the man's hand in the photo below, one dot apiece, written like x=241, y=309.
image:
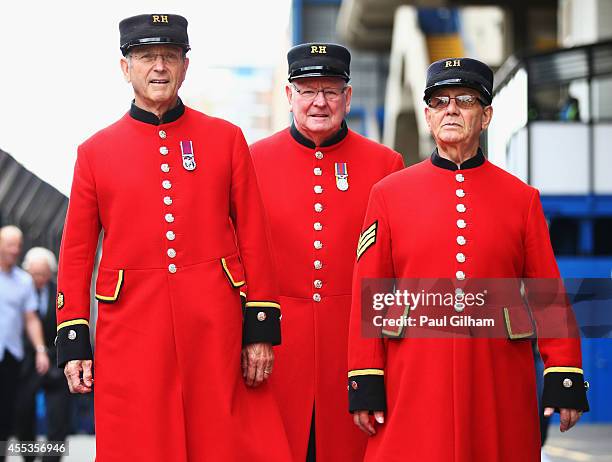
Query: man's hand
x=257, y=363
x=569, y=417
x=72, y=371
x=364, y=421
x=42, y=362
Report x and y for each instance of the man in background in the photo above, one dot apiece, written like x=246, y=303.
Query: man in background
x=17, y=305
x=41, y=264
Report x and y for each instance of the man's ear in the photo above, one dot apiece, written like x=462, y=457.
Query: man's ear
x=427, y=117
x=125, y=68
x=349, y=95
x=289, y=93
x=487, y=115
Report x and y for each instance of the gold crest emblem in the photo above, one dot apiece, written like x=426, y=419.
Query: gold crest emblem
x=60, y=300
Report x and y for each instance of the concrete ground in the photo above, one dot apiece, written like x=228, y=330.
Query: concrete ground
x=584, y=443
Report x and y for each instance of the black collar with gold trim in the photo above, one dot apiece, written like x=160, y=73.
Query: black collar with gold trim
x=150, y=118
x=472, y=162
x=339, y=136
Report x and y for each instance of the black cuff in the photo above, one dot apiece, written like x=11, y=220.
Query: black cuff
x=565, y=390
x=367, y=393
x=261, y=325
x=73, y=343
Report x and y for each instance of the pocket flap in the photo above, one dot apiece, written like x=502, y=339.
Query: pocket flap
x=232, y=267
x=108, y=284
x=519, y=323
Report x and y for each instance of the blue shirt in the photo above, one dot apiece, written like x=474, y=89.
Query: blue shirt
x=17, y=295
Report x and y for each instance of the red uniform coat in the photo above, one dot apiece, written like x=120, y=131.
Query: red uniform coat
x=168, y=384
x=315, y=226
x=456, y=399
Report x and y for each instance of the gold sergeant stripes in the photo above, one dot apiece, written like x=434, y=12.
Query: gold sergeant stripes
x=366, y=239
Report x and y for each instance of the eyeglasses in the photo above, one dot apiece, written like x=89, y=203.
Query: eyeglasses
x=330, y=94
x=150, y=58
x=462, y=101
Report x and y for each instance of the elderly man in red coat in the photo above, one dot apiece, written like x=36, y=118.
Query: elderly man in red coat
x=457, y=216
x=315, y=180
x=180, y=363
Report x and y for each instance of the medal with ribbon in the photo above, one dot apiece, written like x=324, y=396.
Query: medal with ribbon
x=188, y=157
x=342, y=176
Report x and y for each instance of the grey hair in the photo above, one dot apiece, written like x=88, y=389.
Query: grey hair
x=11, y=229
x=37, y=254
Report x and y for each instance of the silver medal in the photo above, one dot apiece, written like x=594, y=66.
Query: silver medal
x=189, y=162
